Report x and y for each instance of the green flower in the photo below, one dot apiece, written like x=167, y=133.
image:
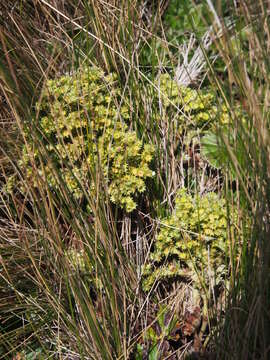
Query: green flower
x=191, y=110
x=195, y=235
x=84, y=129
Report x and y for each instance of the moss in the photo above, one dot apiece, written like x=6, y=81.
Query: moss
x=193, y=237
x=84, y=128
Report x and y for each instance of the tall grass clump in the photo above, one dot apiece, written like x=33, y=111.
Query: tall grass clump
x=60, y=256
x=244, y=150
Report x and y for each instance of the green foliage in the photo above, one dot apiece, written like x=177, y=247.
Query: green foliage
x=156, y=337
x=193, y=238
x=84, y=128
x=214, y=147
x=182, y=17
x=214, y=151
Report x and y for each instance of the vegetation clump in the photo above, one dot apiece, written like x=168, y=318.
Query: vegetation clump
x=84, y=126
x=85, y=225
x=191, y=241
x=193, y=111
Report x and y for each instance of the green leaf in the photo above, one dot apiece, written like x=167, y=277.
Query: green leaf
x=218, y=153
x=139, y=352
x=214, y=151
x=154, y=353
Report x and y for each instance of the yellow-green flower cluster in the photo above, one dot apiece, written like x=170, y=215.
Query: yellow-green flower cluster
x=83, y=120
x=193, y=237
x=191, y=109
